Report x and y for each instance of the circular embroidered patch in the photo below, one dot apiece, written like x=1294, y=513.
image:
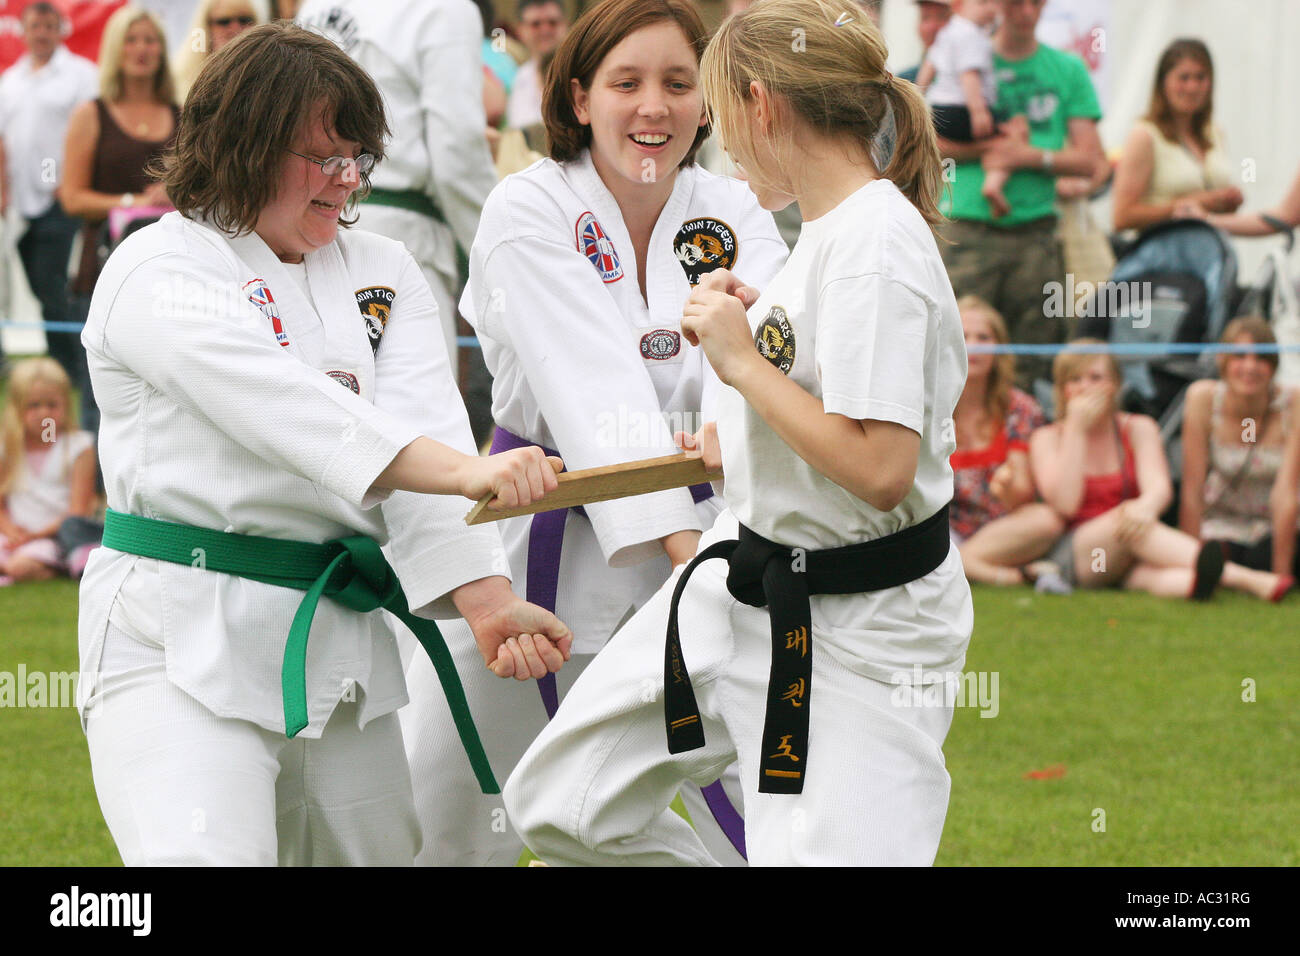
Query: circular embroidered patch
x=346, y=379
x=774, y=339
x=660, y=344
x=704, y=244
x=375, y=303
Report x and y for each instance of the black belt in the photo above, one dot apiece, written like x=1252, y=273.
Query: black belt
x=763, y=573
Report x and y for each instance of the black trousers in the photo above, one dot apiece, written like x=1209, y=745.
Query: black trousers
x=45, y=249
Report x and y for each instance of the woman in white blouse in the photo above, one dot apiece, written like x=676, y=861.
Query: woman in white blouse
x=1173, y=157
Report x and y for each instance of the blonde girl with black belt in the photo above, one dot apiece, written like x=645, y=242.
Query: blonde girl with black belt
x=831, y=432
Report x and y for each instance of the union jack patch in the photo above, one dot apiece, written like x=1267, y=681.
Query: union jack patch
x=260, y=295
x=598, y=248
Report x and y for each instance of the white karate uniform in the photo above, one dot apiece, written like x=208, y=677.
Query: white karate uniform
x=426, y=60
x=583, y=364
x=244, y=395
x=863, y=317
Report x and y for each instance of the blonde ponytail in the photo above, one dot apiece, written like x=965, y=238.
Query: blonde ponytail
x=828, y=65
x=915, y=166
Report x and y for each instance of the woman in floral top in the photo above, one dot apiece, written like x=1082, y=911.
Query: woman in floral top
x=996, y=522
x=1241, y=456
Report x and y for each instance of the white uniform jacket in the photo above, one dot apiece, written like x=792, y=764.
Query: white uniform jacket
x=234, y=401
x=425, y=58
x=582, y=364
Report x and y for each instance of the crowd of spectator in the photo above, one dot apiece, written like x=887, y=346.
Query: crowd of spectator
x=1076, y=501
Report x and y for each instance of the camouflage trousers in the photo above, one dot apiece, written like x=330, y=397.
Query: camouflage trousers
x=1009, y=267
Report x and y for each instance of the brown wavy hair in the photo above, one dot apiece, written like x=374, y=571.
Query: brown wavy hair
x=599, y=30
x=1160, y=113
x=244, y=112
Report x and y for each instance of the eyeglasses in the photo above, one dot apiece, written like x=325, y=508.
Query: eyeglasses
x=363, y=163
x=244, y=21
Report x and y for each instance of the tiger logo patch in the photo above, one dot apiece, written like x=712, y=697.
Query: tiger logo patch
x=375, y=303
x=774, y=339
x=704, y=244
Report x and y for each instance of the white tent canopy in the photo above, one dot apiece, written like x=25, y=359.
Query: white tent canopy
x=1256, y=77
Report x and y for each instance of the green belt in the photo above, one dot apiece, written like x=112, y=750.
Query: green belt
x=413, y=201
x=408, y=199
x=351, y=571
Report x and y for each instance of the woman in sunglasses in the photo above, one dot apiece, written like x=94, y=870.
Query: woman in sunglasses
x=216, y=23
x=274, y=387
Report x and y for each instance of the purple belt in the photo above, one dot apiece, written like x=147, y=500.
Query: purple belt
x=545, y=540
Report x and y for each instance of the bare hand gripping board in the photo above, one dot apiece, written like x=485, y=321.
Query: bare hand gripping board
x=604, y=484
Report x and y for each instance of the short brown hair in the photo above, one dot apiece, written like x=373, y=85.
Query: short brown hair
x=1071, y=361
x=247, y=105
x=599, y=30
x=1260, y=332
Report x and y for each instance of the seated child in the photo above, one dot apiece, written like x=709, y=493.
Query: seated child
x=47, y=474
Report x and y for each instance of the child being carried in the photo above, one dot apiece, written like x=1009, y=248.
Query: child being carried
x=958, y=82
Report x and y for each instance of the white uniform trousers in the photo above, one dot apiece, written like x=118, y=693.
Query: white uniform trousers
x=430, y=244
x=461, y=825
x=590, y=788
x=180, y=786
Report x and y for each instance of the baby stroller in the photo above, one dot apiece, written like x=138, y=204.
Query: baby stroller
x=1275, y=296
x=1176, y=284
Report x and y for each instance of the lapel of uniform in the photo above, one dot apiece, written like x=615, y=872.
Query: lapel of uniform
x=303, y=332
x=664, y=275
x=335, y=294
x=597, y=200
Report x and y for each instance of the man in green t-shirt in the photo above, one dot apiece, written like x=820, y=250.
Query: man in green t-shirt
x=1009, y=260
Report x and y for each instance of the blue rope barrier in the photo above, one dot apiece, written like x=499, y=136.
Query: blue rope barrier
x=463, y=341
x=1123, y=348
x=1133, y=348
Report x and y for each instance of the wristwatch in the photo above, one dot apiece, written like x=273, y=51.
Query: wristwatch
x=127, y=200
x=1048, y=158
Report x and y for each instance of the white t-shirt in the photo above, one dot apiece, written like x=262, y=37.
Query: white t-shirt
x=863, y=317
x=43, y=492
x=958, y=47
x=524, y=108
x=35, y=105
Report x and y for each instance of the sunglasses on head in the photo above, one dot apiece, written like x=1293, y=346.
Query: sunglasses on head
x=243, y=21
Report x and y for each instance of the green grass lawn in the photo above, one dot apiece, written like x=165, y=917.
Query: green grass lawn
x=1138, y=700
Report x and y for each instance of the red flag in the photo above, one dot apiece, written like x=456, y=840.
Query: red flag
x=83, y=25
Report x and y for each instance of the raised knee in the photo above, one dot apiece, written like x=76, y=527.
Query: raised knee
x=1048, y=518
x=22, y=568
x=539, y=834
